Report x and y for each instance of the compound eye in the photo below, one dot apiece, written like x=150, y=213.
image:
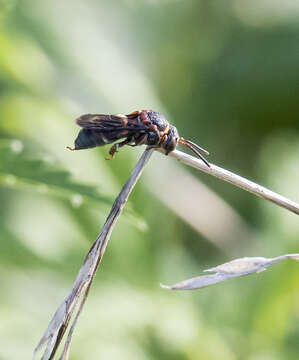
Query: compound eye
x=170, y=144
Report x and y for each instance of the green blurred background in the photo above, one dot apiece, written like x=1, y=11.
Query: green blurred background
x=226, y=74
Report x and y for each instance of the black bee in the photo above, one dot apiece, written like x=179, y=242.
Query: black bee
x=140, y=127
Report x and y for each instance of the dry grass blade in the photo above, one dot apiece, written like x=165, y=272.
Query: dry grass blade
x=231, y=269
x=59, y=324
x=237, y=180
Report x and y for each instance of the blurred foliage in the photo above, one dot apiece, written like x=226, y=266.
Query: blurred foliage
x=19, y=172
x=226, y=74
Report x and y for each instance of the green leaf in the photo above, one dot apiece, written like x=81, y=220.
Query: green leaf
x=19, y=171
x=14, y=253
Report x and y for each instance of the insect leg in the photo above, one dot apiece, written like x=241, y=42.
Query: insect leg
x=141, y=140
x=115, y=147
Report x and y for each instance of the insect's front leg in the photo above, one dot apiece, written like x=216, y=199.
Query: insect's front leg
x=132, y=142
x=141, y=140
x=114, y=148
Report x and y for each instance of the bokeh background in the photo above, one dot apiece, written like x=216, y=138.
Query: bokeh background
x=226, y=74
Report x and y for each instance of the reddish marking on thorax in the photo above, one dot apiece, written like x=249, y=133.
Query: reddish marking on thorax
x=144, y=118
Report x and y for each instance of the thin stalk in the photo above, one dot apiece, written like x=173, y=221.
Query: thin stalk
x=236, y=180
x=61, y=319
x=78, y=295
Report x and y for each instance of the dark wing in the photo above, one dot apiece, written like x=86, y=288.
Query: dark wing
x=98, y=121
x=111, y=123
x=99, y=129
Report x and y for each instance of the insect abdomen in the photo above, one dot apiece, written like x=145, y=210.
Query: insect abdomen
x=88, y=138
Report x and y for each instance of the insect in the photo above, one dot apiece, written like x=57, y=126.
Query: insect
x=145, y=127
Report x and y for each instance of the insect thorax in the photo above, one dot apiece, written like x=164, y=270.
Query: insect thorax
x=157, y=119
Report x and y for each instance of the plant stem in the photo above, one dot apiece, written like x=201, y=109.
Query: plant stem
x=237, y=180
x=60, y=321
